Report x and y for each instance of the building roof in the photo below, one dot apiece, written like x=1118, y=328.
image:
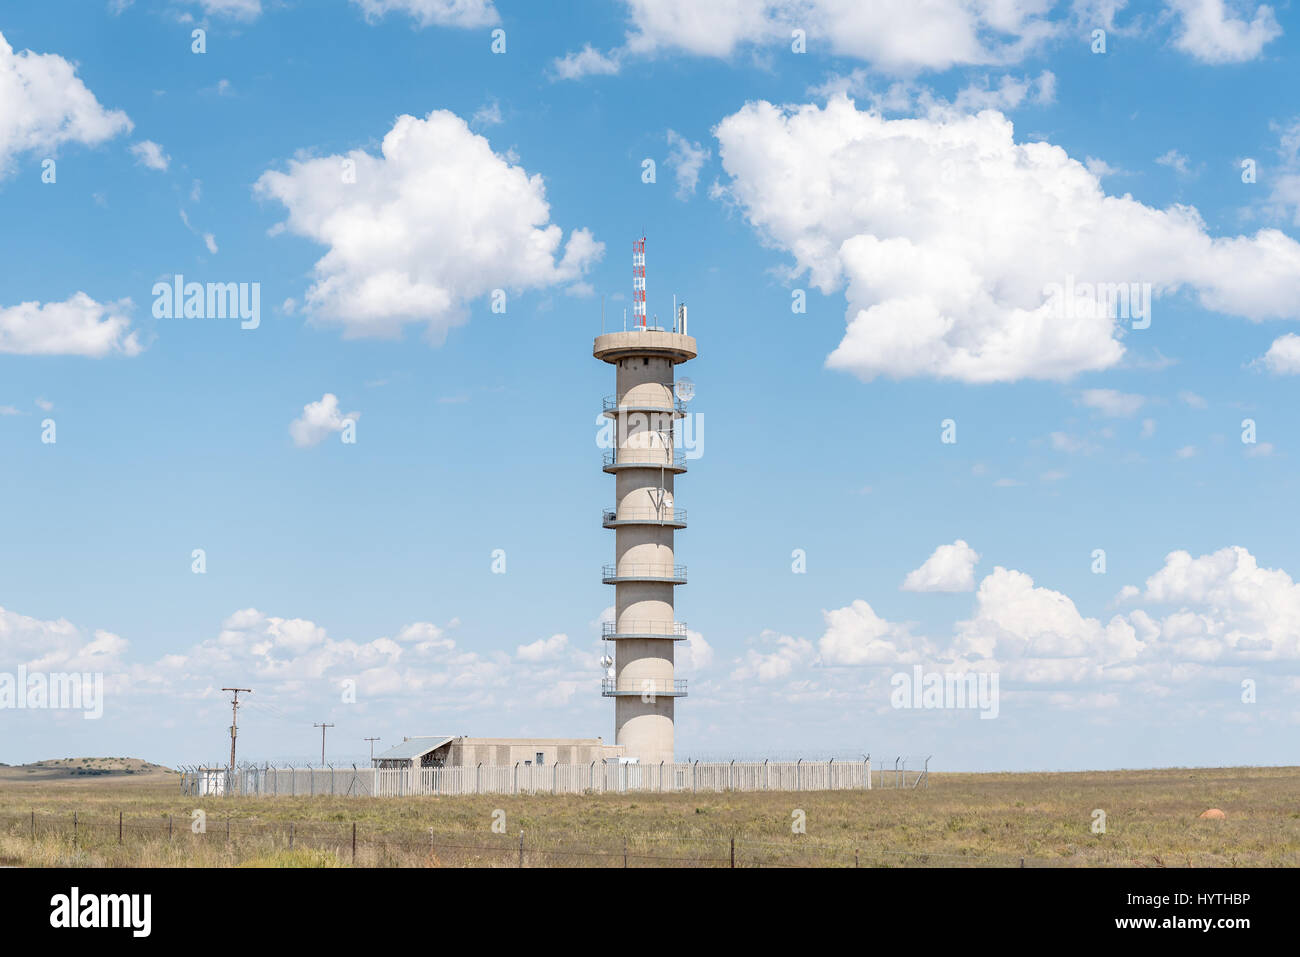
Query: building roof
x=413, y=748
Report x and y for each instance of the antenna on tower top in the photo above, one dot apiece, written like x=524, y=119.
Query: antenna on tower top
x=638, y=281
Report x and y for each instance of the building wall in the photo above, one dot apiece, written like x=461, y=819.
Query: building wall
x=505, y=752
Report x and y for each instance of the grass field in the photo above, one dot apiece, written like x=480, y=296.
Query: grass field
x=1151, y=820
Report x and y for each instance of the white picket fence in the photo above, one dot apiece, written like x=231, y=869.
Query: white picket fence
x=593, y=778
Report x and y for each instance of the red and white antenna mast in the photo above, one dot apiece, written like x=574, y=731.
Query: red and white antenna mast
x=638, y=281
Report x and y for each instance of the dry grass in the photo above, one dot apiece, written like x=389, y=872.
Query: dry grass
x=961, y=819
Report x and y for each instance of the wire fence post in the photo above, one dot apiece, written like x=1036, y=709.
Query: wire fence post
x=733, y=851
x=119, y=828
x=521, y=847
x=74, y=830
x=354, y=842
x=33, y=824
x=625, y=852
x=169, y=827
x=291, y=835
x=227, y=829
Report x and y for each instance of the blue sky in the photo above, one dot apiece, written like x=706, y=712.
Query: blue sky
x=921, y=183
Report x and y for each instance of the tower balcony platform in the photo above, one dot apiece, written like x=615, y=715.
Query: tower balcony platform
x=671, y=630
x=674, y=346
x=630, y=572
x=659, y=687
x=670, y=460
x=668, y=517
x=613, y=405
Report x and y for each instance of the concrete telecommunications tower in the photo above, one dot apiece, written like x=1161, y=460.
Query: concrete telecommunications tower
x=644, y=461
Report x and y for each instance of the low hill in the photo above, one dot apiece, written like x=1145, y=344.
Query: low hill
x=56, y=768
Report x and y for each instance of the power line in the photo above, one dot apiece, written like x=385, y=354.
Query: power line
x=269, y=708
x=271, y=713
x=372, y=748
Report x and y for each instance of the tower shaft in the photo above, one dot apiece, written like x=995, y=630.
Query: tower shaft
x=645, y=411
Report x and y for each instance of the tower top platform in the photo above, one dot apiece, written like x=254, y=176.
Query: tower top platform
x=648, y=342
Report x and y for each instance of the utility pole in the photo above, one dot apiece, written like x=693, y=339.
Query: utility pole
x=322, y=740
x=372, y=748
x=234, y=720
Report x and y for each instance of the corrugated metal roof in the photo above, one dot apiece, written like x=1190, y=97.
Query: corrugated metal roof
x=412, y=748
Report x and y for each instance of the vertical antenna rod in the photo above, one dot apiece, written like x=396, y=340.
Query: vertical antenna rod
x=638, y=281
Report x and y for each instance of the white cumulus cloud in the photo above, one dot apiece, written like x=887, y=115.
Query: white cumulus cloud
x=586, y=62
x=856, y=635
x=436, y=220
x=1111, y=402
x=319, y=420
x=1283, y=356
x=1211, y=32
x=1009, y=93
x=57, y=645
x=686, y=159
x=44, y=104
x=442, y=13
x=1015, y=619
x=952, y=241
x=934, y=35
x=950, y=568
x=1230, y=607
x=543, y=648
x=788, y=653
x=235, y=9
x=694, y=654
x=1284, y=194
x=78, y=326
x=150, y=154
